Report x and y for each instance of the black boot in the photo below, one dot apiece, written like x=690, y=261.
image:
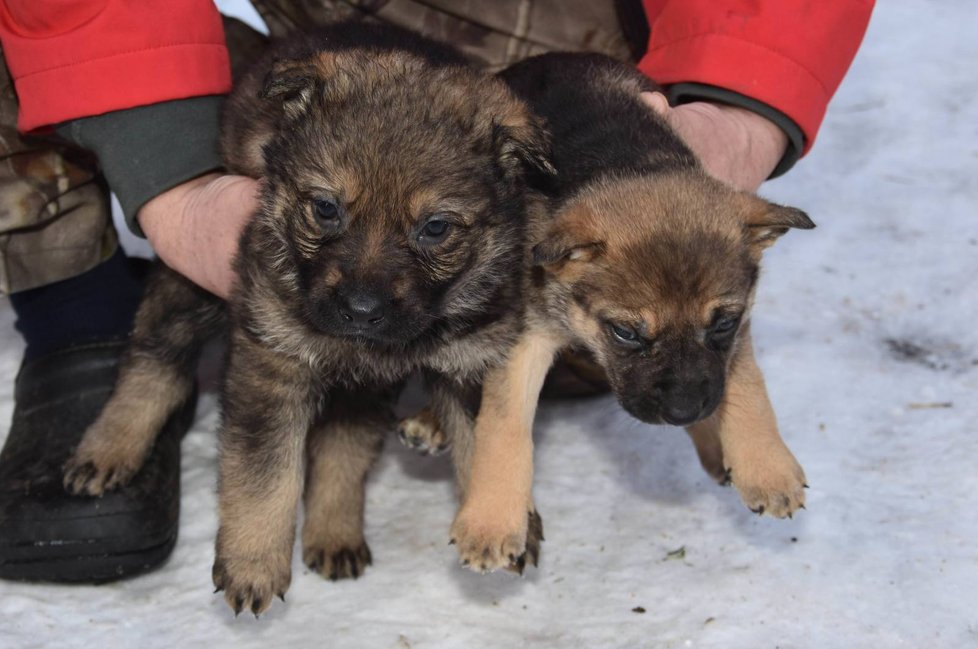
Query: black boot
x=48, y=535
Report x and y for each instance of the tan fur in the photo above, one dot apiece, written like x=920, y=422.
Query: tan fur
x=254, y=545
x=491, y=526
x=332, y=536
x=606, y=224
x=743, y=435
x=423, y=432
x=116, y=444
x=259, y=490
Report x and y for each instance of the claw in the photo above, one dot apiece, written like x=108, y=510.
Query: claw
x=281, y=596
x=519, y=563
x=238, y=605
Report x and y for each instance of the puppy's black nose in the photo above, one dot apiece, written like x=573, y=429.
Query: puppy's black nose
x=681, y=414
x=362, y=308
x=684, y=407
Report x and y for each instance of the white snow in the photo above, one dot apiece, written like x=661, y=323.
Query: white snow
x=885, y=555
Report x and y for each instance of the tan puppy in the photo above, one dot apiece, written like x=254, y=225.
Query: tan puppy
x=651, y=265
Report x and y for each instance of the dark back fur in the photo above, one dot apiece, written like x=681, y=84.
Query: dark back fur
x=599, y=126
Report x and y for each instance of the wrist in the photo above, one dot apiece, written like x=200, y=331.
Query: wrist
x=764, y=142
x=195, y=227
x=686, y=92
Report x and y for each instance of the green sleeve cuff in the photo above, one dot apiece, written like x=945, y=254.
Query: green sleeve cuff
x=683, y=93
x=147, y=150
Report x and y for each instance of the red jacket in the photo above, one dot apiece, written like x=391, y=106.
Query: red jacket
x=76, y=58
x=788, y=54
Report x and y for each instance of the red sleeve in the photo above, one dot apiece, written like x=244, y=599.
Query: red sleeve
x=78, y=58
x=788, y=54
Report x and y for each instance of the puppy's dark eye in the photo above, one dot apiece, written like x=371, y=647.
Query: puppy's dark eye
x=725, y=325
x=434, y=231
x=326, y=212
x=624, y=335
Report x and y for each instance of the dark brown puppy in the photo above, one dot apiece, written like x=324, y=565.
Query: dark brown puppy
x=651, y=265
x=391, y=238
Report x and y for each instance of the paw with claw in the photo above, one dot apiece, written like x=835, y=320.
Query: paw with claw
x=347, y=562
x=250, y=584
x=773, y=484
x=485, y=545
x=97, y=466
x=423, y=434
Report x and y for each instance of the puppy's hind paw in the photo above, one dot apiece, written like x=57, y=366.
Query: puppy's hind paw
x=340, y=563
x=422, y=433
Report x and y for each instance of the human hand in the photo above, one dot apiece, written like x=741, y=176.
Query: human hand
x=195, y=227
x=735, y=145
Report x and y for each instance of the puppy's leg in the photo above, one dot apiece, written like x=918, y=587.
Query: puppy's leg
x=763, y=470
x=268, y=409
x=156, y=377
x=341, y=451
x=497, y=525
x=706, y=438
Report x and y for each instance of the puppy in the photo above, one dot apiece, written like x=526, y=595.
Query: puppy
x=651, y=265
x=391, y=238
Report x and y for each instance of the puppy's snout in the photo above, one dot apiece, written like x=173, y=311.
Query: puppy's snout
x=685, y=403
x=362, y=308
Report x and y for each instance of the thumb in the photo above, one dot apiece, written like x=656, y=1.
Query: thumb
x=656, y=101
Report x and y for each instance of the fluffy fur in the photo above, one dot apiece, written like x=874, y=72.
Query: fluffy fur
x=391, y=238
x=649, y=264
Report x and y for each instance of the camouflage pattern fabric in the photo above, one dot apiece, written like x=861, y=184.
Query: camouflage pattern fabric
x=41, y=182
x=496, y=33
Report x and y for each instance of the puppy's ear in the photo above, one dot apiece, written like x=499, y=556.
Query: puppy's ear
x=766, y=222
x=291, y=83
x=522, y=143
x=556, y=249
x=570, y=238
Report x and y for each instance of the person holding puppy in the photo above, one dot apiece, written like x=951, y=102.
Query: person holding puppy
x=140, y=85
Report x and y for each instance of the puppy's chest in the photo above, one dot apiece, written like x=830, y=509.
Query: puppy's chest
x=464, y=357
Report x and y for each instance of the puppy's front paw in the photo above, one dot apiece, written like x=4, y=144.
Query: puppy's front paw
x=423, y=434
x=250, y=584
x=488, y=543
x=346, y=562
x=774, y=485
x=94, y=469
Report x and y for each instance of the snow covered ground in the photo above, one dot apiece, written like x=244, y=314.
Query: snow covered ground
x=866, y=331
